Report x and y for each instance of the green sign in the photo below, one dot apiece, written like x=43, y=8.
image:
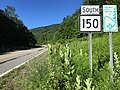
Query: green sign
x=110, y=23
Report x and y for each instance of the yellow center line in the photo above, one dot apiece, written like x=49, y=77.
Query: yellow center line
x=11, y=55
x=17, y=53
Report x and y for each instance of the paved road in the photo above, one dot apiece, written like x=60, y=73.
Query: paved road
x=15, y=59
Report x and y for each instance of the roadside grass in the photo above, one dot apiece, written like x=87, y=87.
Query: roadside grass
x=16, y=79
x=101, y=59
x=77, y=60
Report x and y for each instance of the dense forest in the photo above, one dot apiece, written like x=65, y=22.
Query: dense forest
x=13, y=33
x=69, y=27
x=45, y=34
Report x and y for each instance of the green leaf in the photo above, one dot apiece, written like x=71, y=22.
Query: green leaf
x=67, y=77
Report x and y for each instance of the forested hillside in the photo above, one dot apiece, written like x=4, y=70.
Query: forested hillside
x=66, y=30
x=69, y=27
x=13, y=33
x=45, y=34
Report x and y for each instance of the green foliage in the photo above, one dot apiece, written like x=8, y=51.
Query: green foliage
x=10, y=12
x=68, y=68
x=78, y=81
x=88, y=83
x=116, y=70
x=68, y=78
x=46, y=34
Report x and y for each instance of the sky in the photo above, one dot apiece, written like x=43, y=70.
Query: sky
x=37, y=13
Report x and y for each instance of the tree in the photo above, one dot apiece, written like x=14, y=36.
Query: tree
x=10, y=12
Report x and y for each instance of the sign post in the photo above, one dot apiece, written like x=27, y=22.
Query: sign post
x=90, y=22
x=110, y=25
x=111, y=57
x=90, y=52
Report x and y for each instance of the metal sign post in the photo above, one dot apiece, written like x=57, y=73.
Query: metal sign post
x=90, y=21
x=111, y=57
x=90, y=52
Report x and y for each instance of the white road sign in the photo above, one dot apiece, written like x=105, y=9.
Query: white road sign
x=89, y=9
x=90, y=23
x=110, y=18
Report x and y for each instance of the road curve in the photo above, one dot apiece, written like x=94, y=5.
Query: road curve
x=15, y=59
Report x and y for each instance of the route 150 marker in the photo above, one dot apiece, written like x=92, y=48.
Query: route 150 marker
x=89, y=21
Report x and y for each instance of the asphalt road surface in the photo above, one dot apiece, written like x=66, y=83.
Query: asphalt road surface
x=12, y=60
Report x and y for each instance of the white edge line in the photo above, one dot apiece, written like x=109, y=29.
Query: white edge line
x=21, y=64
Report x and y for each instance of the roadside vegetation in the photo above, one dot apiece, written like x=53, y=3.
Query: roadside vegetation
x=67, y=67
x=66, y=64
